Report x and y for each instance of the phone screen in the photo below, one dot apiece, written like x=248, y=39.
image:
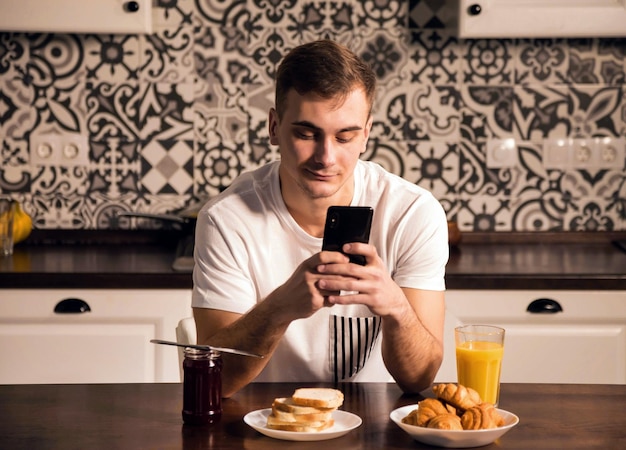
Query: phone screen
x=346, y=224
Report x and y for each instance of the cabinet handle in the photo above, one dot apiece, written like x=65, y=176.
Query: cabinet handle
x=544, y=306
x=474, y=10
x=72, y=306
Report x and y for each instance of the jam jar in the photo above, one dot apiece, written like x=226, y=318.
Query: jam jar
x=202, y=386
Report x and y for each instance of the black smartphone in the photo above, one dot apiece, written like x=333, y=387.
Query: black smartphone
x=346, y=224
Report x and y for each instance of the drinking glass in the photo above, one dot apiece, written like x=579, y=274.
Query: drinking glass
x=7, y=213
x=479, y=350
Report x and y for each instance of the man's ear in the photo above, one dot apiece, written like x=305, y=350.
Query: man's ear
x=273, y=126
x=368, y=126
x=366, y=131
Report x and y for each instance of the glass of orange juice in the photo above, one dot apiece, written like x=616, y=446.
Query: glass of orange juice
x=479, y=350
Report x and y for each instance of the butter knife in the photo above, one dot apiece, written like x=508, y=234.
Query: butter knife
x=206, y=347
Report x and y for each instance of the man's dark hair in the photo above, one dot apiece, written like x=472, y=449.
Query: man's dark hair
x=326, y=69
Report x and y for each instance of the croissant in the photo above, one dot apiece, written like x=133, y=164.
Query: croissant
x=459, y=396
x=481, y=417
x=446, y=421
x=427, y=409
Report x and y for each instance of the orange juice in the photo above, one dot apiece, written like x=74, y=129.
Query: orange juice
x=478, y=366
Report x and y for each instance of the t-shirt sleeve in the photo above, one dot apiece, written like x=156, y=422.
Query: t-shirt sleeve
x=221, y=278
x=423, y=243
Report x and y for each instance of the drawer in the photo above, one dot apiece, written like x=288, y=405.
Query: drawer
x=44, y=338
x=584, y=342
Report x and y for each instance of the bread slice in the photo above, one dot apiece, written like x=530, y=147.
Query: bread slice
x=286, y=404
x=307, y=427
x=318, y=397
x=317, y=416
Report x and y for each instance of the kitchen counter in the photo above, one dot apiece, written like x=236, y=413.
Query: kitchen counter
x=95, y=260
x=128, y=416
x=144, y=260
x=598, y=266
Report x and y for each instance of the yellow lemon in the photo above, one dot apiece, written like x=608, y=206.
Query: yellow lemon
x=22, y=223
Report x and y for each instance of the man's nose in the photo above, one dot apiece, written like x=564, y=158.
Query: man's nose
x=325, y=152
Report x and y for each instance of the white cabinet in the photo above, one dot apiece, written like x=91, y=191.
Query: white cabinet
x=109, y=343
x=77, y=16
x=541, y=18
x=583, y=343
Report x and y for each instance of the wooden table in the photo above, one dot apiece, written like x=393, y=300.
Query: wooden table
x=147, y=416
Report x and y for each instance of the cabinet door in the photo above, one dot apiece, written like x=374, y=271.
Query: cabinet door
x=77, y=352
x=109, y=343
x=583, y=343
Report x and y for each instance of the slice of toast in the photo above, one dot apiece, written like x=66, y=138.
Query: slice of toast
x=317, y=416
x=318, y=397
x=286, y=404
x=306, y=427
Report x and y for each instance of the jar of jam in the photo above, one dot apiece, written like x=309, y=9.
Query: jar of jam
x=202, y=386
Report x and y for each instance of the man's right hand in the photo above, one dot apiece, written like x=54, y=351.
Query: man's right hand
x=300, y=296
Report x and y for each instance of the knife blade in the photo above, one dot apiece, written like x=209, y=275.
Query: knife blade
x=207, y=347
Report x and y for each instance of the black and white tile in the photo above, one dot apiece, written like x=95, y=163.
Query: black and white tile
x=178, y=114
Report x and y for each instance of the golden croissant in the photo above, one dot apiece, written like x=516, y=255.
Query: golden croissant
x=459, y=396
x=481, y=417
x=446, y=421
x=427, y=409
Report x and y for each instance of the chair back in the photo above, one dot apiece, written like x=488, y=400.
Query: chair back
x=185, y=334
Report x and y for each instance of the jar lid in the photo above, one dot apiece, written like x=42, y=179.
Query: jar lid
x=196, y=353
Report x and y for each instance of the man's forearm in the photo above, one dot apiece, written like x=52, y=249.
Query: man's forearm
x=411, y=353
x=257, y=331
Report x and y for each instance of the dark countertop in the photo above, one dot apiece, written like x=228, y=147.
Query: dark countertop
x=143, y=260
x=95, y=260
x=537, y=266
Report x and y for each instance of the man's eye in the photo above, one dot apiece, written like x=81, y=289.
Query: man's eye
x=344, y=139
x=305, y=135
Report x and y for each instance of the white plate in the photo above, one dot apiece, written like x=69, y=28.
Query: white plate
x=344, y=423
x=453, y=438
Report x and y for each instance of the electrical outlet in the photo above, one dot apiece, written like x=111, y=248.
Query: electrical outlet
x=501, y=153
x=44, y=149
x=59, y=149
x=74, y=150
x=611, y=152
x=584, y=153
x=597, y=153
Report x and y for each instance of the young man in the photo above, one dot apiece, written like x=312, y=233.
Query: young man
x=262, y=284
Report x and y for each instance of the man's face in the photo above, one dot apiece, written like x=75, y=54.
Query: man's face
x=320, y=141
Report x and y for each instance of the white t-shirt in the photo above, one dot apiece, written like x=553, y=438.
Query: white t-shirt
x=247, y=244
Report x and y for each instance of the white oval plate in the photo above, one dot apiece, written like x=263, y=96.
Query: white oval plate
x=453, y=438
x=344, y=423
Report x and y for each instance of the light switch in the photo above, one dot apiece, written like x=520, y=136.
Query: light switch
x=501, y=153
x=556, y=153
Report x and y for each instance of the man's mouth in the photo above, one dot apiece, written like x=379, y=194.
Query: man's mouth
x=320, y=175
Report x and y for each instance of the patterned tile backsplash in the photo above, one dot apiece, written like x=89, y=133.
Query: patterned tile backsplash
x=175, y=116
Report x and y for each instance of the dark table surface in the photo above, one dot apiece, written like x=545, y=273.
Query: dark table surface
x=147, y=416
x=80, y=260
